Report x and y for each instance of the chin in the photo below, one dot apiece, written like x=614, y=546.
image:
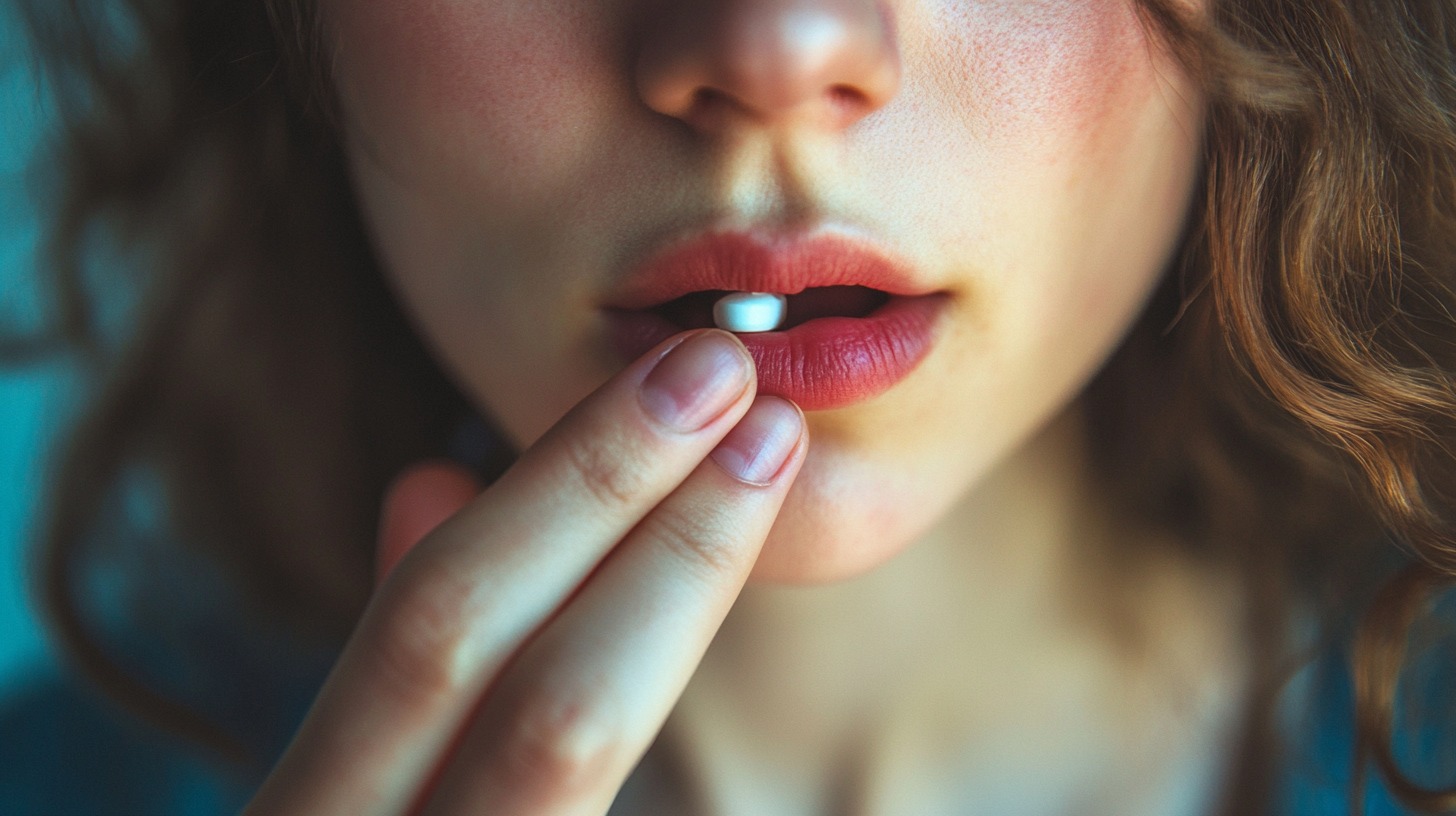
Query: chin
x=842, y=519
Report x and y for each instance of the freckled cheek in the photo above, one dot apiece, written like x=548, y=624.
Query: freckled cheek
x=1051, y=74
x=448, y=93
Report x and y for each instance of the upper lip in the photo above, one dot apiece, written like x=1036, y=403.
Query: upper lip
x=745, y=262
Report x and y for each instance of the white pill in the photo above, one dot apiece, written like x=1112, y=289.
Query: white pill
x=745, y=312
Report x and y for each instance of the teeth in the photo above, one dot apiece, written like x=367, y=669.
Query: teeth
x=747, y=312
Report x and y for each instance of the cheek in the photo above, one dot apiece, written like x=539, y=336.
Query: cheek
x=440, y=88
x=1038, y=71
x=1082, y=137
x=466, y=121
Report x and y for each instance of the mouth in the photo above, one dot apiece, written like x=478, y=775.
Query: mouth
x=695, y=310
x=857, y=323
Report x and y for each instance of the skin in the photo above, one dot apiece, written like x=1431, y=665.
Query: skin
x=920, y=568
x=1029, y=159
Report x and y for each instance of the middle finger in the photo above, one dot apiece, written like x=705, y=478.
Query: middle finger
x=576, y=709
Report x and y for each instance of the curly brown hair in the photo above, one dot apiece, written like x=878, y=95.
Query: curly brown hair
x=1284, y=405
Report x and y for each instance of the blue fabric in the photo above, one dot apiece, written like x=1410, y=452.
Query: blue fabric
x=1317, y=777
x=1320, y=722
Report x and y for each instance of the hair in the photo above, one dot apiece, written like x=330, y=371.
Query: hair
x=1284, y=404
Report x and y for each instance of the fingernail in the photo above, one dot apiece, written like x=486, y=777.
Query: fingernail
x=697, y=381
x=757, y=448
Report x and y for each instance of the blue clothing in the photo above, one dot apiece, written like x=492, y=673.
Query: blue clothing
x=1320, y=711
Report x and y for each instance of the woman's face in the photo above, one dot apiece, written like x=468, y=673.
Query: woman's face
x=1028, y=161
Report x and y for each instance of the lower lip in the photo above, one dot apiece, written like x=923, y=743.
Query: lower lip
x=829, y=362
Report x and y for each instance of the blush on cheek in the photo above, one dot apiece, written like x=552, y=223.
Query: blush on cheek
x=460, y=83
x=1046, y=69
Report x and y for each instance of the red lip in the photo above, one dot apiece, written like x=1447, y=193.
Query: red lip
x=740, y=262
x=828, y=362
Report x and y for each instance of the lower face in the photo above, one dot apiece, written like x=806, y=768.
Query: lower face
x=1034, y=164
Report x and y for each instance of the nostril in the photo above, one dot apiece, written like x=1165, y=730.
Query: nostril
x=706, y=98
x=719, y=65
x=847, y=105
x=843, y=96
x=710, y=109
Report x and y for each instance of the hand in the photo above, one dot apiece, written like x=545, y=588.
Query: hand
x=521, y=656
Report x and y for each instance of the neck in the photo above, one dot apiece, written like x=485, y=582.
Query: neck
x=978, y=618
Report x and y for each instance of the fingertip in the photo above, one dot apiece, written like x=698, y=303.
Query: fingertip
x=419, y=499
x=800, y=453
x=763, y=447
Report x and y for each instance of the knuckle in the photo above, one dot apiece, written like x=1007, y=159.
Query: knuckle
x=697, y=539
x=560, y=742
x=610, y=480
x=420, y=647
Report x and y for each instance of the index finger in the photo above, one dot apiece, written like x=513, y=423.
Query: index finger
x=591, y=478
x=467, y=596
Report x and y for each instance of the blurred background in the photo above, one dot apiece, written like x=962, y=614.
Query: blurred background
x=36, y=400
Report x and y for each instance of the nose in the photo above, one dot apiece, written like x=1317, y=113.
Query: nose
x=718, y=64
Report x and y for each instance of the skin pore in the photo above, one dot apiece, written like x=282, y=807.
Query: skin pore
x=916, y=627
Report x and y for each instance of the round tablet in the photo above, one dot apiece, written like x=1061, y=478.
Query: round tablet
x=745, y=312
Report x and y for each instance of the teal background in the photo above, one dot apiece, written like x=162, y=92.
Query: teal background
x=36, y=400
